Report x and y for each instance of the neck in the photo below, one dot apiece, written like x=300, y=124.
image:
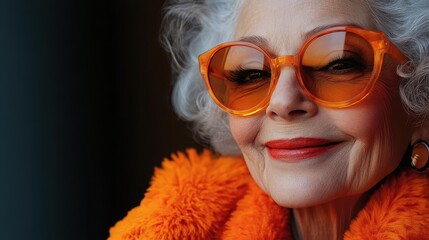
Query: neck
x=327, y=221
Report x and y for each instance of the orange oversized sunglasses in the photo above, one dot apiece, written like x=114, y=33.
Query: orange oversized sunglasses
x=336, y=68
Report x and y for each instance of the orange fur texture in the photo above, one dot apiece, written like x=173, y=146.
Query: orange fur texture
x=202, y=196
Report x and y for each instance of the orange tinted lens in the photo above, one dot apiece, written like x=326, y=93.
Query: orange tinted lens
x=337, y=67
x=239, y=77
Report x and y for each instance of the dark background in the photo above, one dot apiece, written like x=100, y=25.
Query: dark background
x=85, y=114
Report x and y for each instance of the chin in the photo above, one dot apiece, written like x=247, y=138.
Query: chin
x=301, y=197
x=297, y=202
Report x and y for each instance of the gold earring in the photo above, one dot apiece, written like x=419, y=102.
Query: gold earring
x=420, y=156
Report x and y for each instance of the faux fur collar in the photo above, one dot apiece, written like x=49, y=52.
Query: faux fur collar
x=207, y=197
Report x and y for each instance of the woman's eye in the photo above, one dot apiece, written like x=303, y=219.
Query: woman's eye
x=343, y=66
x=247, y=76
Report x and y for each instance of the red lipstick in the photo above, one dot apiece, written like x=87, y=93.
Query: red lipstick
x=297, y=149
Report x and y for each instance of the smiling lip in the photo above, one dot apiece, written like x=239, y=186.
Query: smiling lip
x=297, y=149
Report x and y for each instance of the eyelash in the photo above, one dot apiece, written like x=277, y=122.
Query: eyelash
x=355, y=63
x=239, y=75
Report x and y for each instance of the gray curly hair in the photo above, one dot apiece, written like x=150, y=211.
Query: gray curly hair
x=190, y=27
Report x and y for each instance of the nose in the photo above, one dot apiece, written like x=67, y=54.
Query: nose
x=288, y=101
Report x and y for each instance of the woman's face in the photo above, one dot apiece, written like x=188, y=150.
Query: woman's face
x=303, y=154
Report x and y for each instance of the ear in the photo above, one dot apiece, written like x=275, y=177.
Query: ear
x=421, y=132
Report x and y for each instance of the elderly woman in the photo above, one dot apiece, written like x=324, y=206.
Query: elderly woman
x=317, y=115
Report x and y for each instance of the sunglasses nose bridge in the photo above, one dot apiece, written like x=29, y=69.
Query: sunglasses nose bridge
x=285, y=60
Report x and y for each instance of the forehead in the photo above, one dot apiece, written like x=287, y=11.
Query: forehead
x=286, y=22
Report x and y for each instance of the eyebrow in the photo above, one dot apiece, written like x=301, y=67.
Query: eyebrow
x=262, y=42
x=257, y=40
x=317, y=29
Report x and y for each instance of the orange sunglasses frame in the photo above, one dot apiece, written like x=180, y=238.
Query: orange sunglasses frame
x=378, y=40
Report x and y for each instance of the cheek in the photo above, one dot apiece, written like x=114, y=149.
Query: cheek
x=244, y=130
x=380, y=132
x=380, y=115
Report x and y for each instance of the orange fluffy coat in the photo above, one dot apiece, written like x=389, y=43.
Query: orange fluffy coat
x=201, y=196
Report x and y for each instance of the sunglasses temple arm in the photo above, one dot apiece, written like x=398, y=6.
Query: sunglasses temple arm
x=397, y=54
